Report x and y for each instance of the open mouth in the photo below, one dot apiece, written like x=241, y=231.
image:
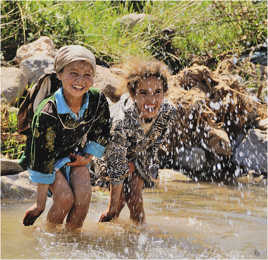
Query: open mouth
x=76, y=87
x=149, y=108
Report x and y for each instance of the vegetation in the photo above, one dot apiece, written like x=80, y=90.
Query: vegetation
x=210, y=28
x=176, y=32
x=12, y=143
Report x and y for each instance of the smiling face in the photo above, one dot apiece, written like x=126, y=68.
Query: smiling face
x=149, y=96
x=76, y=77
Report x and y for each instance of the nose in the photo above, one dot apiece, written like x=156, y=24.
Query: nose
x=150, y=98
x=80, y=79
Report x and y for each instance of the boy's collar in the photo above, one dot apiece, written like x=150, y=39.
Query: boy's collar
x=62, y=106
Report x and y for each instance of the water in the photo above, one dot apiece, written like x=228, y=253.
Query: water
x=184, y=220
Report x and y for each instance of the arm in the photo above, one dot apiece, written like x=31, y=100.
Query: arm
x=96, y=139
x=36, y=210
x=117, y=170
x=116, y=155
x=80, y=160
x=43, y=151
x=40, y=171
x=115, y=194
x=99, y=137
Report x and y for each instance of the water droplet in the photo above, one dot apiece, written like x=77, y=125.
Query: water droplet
x=214, y=105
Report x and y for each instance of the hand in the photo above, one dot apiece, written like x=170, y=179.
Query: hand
x=31, y=215
x=106, y=217
x=80, y=160
x=114, y=203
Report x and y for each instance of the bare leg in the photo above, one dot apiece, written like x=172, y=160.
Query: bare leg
x=62, y=199
x=80, y=181
x=121, y=205
x=135, y=200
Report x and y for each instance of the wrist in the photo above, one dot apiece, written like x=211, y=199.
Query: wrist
x=39, y=207
x=88, y=155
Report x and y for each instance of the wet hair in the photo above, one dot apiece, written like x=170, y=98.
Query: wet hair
x=136, y=70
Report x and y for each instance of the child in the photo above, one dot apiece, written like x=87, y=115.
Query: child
x=138, y=138
x=68, y=128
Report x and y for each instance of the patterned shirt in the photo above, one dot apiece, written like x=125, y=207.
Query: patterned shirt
x=129, y=142
x=57, y=132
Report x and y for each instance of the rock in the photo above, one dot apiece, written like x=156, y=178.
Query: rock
x=259, y=54
x=34, y=67
x=117, y=109
x=263, y=124
x=36, y=58
x=13, y=83
x=9, y=167
x=252, y=153
x=108, y=82
x=17, y=187
x=251, y=179
x=219, y=142
x=192, y=159
x=44, y=46
x=117, y=71
x=131, y=20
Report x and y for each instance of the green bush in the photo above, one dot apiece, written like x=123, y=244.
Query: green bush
x=201, y=28
x=12, y=143
x=25, y=21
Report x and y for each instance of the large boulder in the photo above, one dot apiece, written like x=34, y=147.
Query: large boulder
x=108, y=81
x=263, y=124
x=17, y=187
x=44, y=45
x=10, y=167
x=252, y=152
x=13, y=83
x=35, y=66
x=36, y=58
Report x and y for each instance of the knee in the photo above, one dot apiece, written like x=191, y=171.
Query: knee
x=65, y=200
x=82, y=199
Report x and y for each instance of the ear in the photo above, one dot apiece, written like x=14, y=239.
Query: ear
x=59, y=75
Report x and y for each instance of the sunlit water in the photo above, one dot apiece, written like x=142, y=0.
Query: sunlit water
x=184, y=220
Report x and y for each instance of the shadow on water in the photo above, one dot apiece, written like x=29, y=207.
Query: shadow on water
x=184, y=220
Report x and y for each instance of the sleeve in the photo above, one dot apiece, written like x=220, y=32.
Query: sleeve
x=116, y=155
x=43, y=155
x=98, y=139
x=172, y=142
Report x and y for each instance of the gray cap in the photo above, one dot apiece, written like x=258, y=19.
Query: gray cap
x=71, y=53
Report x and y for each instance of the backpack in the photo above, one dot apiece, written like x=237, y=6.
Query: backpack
x=44, y=88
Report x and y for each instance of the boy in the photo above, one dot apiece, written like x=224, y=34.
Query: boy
x=68, y=129
x=138, y=138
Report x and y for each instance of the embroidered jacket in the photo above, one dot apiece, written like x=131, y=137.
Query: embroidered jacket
x=129, y=142
x=57, y=132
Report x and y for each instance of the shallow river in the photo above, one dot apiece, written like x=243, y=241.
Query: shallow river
x=184, y=220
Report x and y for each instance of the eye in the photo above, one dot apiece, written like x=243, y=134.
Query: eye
x=143, y=92
x=88, y=76
x=158, y=91
x=74, y=74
